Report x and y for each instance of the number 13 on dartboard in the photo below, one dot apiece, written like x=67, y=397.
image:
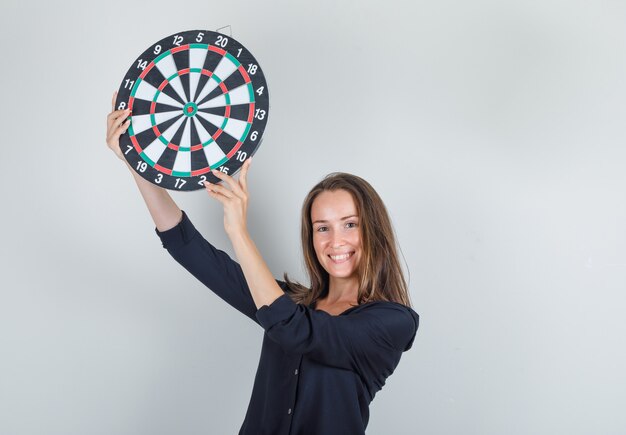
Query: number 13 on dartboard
x=198, y=101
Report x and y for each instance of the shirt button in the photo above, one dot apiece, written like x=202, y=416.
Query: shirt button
x=296, y=372
x=289, y=411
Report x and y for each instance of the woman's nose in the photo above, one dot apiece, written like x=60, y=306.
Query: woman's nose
x=337, y=240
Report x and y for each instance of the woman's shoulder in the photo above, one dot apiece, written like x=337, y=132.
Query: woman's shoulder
x=386, y=307
x=398, y=320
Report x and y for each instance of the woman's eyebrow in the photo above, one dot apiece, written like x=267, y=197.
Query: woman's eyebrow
x=322, y=221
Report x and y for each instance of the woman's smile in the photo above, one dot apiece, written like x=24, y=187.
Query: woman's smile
x=341, y=258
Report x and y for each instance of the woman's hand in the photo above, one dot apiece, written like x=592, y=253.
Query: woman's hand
x=116, y=126
x=234, y=199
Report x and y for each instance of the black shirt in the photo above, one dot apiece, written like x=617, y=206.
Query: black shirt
x=317, y=373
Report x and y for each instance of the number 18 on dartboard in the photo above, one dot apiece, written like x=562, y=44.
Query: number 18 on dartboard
x=198, y=101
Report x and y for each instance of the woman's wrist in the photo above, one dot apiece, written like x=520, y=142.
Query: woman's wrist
x=239, y=237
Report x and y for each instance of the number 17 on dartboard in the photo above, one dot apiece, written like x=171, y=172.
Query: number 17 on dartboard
x=198, y=101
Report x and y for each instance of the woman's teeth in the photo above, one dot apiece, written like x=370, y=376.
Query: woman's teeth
x=341, y=257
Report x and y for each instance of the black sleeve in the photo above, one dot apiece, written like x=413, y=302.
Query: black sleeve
x=359, y=342
x=212, y=267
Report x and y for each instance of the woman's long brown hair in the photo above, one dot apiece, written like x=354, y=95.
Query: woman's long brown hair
x=379, y=271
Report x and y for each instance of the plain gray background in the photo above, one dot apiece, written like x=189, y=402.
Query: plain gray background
x=494, y=131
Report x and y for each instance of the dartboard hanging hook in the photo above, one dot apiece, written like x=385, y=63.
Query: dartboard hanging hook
x=228, y=26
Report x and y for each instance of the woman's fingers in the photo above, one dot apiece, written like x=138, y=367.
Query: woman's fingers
x=114, y=131
x=117, y=117
x=243, y=175
x=229, y=181
x=207, y=187
x=117, y=123
x=113, y=138
x=219, y=190
x=121, y=129
x=233, y=199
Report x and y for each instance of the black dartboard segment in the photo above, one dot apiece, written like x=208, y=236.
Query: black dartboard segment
x=198, y=101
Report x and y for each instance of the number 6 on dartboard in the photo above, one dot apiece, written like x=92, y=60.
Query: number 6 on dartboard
x=198, y=101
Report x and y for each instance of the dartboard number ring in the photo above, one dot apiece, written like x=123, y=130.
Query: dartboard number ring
x=199, y=102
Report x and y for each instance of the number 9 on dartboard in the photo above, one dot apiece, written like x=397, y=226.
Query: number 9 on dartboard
x=198, y=101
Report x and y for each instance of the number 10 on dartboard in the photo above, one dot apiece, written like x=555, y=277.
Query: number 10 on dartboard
x=198, y=101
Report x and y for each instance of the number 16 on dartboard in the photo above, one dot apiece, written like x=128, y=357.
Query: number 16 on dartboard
x=198, y=101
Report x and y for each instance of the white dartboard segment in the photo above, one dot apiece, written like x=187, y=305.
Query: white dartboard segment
x=168, y=69
x=225, y=68
x=214, y=154
x=234, y=127
x=240, y=95
x=145, y=91
x=169, y=133
x=203, y=134
x=209, y=86
x=155, y=150
x=197, y=57
x=218, y=101
x=185, y=140
x=183, y=161
x=142, y=123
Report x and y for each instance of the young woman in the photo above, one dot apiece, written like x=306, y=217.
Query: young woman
x=328, y=349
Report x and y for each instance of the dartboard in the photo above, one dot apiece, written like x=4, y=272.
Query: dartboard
x=198, y=101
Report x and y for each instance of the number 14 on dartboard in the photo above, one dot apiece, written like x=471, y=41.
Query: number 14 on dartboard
x=198, y=101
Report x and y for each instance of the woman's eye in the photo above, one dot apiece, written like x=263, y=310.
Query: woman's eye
x=321, y=229
x=351, y=225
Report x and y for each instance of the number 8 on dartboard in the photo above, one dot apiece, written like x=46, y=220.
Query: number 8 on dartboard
x=198, y=101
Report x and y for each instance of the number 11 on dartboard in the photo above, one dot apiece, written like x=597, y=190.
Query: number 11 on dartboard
x=199, y=101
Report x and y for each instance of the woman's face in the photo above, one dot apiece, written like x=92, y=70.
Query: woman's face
x=336, y=237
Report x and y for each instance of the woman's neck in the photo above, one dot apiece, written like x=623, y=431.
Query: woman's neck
x=342, y=290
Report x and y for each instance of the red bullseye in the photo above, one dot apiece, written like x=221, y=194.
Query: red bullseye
x=190, y=109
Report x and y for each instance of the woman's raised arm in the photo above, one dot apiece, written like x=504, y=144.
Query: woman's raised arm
x=212, y=267
x=164, y=211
